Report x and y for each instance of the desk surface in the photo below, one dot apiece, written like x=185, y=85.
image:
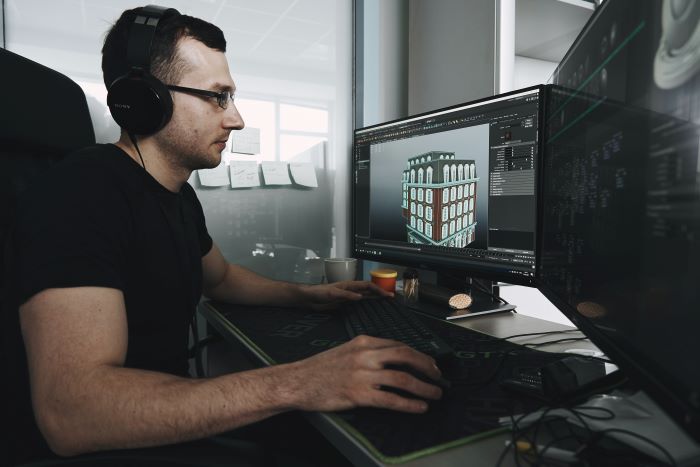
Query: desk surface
x=485, y=451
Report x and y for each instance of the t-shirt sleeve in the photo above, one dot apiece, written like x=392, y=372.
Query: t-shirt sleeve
x=205, y=240
x=72, y=231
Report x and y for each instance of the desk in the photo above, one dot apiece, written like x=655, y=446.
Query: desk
x=482, y=452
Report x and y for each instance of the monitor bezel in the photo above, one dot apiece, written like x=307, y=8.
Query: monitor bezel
x=429, y=262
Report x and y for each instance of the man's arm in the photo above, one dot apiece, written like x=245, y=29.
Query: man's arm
x=230, y=283
x=85, y=400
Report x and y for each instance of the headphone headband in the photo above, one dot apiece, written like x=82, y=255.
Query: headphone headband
x=138, y=52
x=140, y=103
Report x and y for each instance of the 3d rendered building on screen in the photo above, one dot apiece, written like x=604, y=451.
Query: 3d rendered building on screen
x=439, y=199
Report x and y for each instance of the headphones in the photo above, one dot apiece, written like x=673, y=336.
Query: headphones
x=139, y=102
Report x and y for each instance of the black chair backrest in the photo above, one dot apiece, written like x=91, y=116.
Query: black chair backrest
x=43, y=117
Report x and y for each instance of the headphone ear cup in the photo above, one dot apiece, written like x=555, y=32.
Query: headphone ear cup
x=140, y=103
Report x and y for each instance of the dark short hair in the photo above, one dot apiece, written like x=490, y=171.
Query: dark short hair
x=165, y=64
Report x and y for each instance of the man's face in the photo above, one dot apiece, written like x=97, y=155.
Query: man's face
x=199, y=128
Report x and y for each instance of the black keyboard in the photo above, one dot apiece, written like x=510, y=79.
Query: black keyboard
x=390, y=320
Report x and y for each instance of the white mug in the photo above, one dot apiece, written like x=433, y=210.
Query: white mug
x=340, y=269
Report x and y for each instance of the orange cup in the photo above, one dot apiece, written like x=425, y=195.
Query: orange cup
x=384, y=278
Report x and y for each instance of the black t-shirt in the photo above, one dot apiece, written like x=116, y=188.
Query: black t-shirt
x=99, y=219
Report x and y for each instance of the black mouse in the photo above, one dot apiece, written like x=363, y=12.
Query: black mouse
x=442, y=383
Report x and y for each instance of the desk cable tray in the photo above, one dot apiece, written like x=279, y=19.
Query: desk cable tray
x=468, y=411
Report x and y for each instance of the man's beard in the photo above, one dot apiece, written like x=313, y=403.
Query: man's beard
x=188, y=158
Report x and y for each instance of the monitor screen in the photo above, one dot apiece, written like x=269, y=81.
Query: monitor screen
x=621, y=201
x=453, y=188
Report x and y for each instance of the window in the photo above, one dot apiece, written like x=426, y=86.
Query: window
x=413, y=175
x=445, y=195
x=413, y=207
x=413, y=193
x=471, y=189
x=286, y=130
x=459, y=223
x=260, y=114
x=453, y=193
x=460, y=172
x=453, y=172
x=452, y=211
x=459, y=209
x=428, y=229
x=420, y=225
x=429, y=195
x=452, y=227
x=429, y=175
x=446, y=173
x=420, y=210
x=460, y=191
x=429, y=213
x=413, y=221
x=420, y=194
x=445, y=213
x=420, y=175
x=444, y=232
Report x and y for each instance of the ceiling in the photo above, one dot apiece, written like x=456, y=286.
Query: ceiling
x=545, y=29
x=299, y=33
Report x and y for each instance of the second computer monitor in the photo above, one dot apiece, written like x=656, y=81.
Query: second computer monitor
x=455, y=188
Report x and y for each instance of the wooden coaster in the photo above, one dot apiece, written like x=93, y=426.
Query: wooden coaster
x=460, y=301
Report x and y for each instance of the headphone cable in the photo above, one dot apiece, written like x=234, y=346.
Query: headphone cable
x=133, y=141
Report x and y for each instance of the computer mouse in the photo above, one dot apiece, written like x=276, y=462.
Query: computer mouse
x=441, y=382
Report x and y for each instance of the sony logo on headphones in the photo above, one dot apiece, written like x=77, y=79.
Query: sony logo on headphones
x=122, y=106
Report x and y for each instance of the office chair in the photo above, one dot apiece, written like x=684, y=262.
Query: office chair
x=44, y=116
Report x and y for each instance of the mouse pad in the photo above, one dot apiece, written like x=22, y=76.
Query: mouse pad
x=469, y=409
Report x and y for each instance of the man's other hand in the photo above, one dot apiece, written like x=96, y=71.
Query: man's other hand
x=327, y=296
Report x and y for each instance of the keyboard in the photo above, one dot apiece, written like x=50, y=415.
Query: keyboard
x=389, y=319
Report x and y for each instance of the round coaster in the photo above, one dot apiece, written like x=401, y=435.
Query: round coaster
x=460, y=301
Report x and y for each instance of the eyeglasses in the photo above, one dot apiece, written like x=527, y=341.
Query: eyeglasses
x=222, y=98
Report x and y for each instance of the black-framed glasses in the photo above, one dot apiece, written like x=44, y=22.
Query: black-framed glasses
x=222, y=98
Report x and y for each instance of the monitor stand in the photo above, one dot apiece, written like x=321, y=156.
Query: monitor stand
x=636, y=413
x=484, y=294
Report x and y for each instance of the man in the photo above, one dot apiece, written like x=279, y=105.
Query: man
x=113, y=256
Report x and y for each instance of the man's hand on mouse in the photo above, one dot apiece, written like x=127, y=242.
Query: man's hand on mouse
x=352, y=374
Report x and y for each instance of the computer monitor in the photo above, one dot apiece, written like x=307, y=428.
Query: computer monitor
x=621, y=200
x=452, y=189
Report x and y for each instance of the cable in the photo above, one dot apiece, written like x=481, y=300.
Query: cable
x=529, y=334
x=525, y=446
x=590, y=357
x=569, y=339
x=474, y=282
x=132, y=137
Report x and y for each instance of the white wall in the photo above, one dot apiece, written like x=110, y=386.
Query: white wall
x=505, y=45
x=451, y=52
x=531, y=71
x=384, y=61
x=2, y=27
